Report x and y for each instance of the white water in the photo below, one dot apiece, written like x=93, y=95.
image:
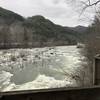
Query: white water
x=39, y=68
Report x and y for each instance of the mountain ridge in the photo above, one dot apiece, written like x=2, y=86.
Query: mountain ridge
x=35, y=31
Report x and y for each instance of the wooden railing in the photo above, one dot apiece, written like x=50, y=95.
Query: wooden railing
x=86, y=93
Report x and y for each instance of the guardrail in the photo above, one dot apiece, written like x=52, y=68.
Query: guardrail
x=96, y=70
x=86, y=93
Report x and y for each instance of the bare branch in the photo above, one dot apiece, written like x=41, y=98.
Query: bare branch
x=92, y=4
x=88, y=4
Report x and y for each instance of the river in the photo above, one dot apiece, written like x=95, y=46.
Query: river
x=39, y=68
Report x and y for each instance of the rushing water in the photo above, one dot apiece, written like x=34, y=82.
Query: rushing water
x=39, y=68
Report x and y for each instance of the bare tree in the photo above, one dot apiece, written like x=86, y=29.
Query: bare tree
x=92, y=39
x=88, y=4
x=85, y=4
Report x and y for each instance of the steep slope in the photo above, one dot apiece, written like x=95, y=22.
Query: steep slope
x=9, y=16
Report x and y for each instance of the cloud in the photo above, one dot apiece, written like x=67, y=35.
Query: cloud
x=56, y=10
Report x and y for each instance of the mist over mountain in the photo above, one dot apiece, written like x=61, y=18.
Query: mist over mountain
x=35, y=31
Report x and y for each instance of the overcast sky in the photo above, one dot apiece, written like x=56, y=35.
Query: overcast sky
x=58, y=11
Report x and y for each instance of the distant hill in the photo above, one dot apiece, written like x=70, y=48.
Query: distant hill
x=80, y=29
x=35, y=31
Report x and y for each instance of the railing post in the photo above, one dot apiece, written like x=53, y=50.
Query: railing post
x=96, y=70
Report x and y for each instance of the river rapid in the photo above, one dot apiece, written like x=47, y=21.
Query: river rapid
x=42, y=68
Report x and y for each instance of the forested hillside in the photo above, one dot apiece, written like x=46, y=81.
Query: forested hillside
x=35, y=31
